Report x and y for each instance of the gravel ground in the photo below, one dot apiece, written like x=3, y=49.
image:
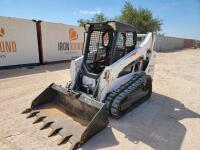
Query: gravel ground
x=168, y=121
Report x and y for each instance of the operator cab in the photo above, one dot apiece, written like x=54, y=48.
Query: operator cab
x=106, y=43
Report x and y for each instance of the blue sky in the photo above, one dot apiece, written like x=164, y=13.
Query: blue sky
x=181, y=18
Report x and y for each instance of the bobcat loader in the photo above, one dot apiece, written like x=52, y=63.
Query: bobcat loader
x=112, y=77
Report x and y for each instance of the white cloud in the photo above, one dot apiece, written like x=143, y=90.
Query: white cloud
x=86, y=12
x=168, y=6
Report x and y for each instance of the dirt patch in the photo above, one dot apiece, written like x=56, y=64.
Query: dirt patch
x=169, y=120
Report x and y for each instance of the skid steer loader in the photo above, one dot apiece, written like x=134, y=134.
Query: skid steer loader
x=112, y=77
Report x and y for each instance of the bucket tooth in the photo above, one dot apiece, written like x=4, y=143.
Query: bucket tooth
x=54, y=132
x=46, y=125
x=39, y=119
x=75, y=146
x=64, y=139
x=75, y=143
x=33, y=114
x=28, y=110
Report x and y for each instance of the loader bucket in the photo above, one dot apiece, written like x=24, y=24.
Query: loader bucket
x=74, y=116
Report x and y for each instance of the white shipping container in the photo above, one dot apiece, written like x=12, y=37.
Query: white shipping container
x=61, y=42
x=18, y=42
x=165, y=43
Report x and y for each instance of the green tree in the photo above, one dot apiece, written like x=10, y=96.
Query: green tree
x=96, y=18
x=142, y=18
x=99, y=18
x=81, y=22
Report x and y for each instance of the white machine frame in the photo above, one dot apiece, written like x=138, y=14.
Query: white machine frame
x=109, y=80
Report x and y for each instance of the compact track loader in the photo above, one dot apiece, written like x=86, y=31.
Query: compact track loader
x=112, y=77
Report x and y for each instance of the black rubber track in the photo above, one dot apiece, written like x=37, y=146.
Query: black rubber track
x=115, y=98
